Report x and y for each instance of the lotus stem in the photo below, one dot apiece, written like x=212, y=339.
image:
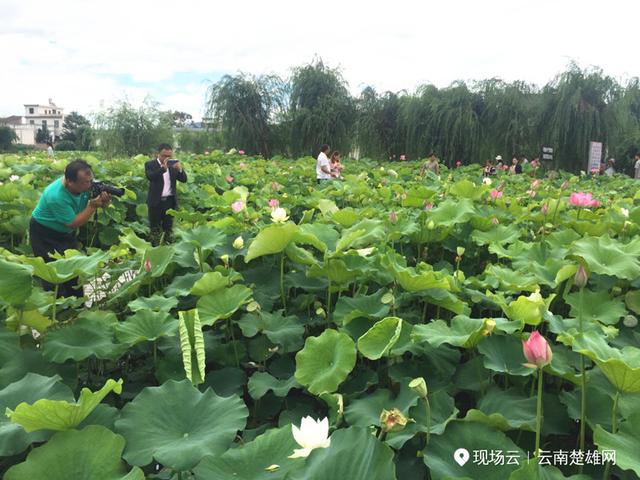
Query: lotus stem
x=428, y=407
x=538, y=413
x=583, y=382
x=282, y=295
x=55, y=302
x=614, y=429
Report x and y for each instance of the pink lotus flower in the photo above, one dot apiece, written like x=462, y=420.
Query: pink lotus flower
x=564, y=185
x=537, y=351
x=241, y=152
x=428, y=206
x=147, y=265
x=495, y=194
x=458, y=163
x=403, y=157
x=237, y=206
x=495, y=221
x=274, y=203
x=229, y=178
x=535, y=184
x=583, y=200
x=545, y=209
x=393, y=217
x=243, y=165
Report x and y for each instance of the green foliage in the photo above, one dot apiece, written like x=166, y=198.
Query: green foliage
x=7, y=137
x=126, y=130
x=76, y=132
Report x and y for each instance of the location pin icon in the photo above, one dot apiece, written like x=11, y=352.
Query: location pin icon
x=461, y=456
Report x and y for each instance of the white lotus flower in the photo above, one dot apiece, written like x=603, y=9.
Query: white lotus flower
x=624, y=212
x=311, y=434
x=486, y=181
x=13, y=178
x=279, y=215
x=363, y=252
x=238, y=243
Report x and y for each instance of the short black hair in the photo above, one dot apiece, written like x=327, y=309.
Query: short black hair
x=75, y=166
x=164, y=146
x=324, y=147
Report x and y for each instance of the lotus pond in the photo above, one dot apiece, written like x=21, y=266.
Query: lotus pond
x=370, y=328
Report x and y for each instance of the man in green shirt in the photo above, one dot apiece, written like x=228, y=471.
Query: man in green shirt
x=63, y=207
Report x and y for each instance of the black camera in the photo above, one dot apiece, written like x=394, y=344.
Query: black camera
x=98, y=187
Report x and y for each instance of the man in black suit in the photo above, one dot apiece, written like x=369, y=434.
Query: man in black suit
x=162, y=173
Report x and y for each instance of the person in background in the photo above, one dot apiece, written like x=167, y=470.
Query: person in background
x=162, y=173
x=637, y=165
x=323, y=166
x=336, y=165
x=488, y=170
x=499, y=162
x=50, y=150
x=431, y=164
x=64, y=207
x=610, y=167
x=515, y=168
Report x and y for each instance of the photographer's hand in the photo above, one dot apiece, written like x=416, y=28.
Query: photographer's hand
x=105, y=199
x=177, y=166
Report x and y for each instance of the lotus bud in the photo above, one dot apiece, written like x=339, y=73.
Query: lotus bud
x=229, y=178
x=431, y=225
x=624, y=212
x=253, y=306
x=419, y=386
x=537, y=351
x=238, y=243
x=581, y=277
x=392, y=420
x=393, y=217
x=545, y=209
x=460, y=251
x=495, y=221
x=225, y=260
x=489, y=327
x=147, y=265
x=630, y=321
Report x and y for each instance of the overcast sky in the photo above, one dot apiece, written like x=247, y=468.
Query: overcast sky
x=85, y=54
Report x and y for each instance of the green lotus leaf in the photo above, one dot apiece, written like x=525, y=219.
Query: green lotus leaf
x=322, y=236
x=30, y=318
x=160, y=258
x=632, y=300
x=32, y=387
x=447, y=300
x=93, y=452
x=271, y=239
x=452, y=212
x=327, y=206
x=287, y=332
x=15, y=283
x=499, y=235
x=597, y=306
x=204, y=237
x=438, y=455
x=192, y=346
x=252, y=461
x=528, y=310
x=181, y=286
x=345, y=217
x=82, y=339
x=504, y=354
x=376, y=342
x=60, y=414
x=466, y=189
x=625, y=443
x=177, y=425
x=262, y=382
x=146, y=326
x=365, y=411
x=620, y=366
x=336, y=270
x=364, y=233
x=532, y=469
x=509, y=280
x=210, y=282
x=413, y=281
x=464, y=332
x=361, y=306
x=299, y=255
x=325, y=361
x=131, y=240
x=505, y=410
x=371, y=460
x=222, y=303
x=64, y=269
x=157, y=303
x=607, y=256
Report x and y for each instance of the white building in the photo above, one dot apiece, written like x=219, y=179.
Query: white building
x=36, y=117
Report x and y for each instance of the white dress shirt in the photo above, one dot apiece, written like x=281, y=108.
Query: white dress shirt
x=166, y=176
x=323, y=161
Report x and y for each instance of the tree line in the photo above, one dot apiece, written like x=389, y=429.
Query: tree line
x=470, y=122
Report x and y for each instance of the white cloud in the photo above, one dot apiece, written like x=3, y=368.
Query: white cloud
x=80, y=53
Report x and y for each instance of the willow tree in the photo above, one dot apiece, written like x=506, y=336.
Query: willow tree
x=321, y=109
x=579, y=110
x=377, y=125
x=625, y=140
x=247, y=109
